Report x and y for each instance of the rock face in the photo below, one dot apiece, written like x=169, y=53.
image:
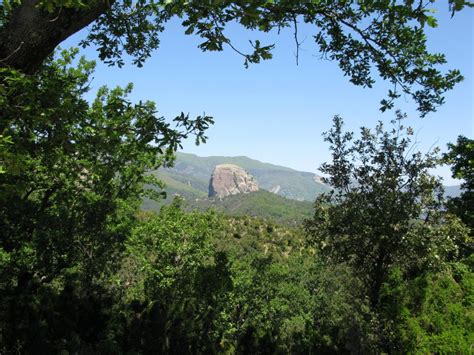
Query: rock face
x=230, y=179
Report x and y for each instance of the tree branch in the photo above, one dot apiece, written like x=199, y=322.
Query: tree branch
x=32, y=33
x=295, y=24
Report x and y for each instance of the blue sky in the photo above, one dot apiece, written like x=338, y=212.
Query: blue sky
x=275, y=111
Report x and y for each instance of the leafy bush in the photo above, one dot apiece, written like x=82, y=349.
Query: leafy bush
x=432, y=313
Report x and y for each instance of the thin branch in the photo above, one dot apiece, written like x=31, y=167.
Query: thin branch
x=413, y=146
x=227, y=40
x=57, y=17
x=12, y=53
x=295, y=24
x=367, y=40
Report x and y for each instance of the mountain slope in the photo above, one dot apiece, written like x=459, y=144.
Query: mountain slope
x=262, y=204
x=194, y=172
x=290, y=203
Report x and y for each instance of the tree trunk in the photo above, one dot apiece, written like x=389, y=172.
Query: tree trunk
x=31, y=34
x=379, y=274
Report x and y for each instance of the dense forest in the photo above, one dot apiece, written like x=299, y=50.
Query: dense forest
x=383, y=264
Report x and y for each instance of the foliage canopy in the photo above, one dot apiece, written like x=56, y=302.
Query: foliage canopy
x=385, y=209
x=461, y=158
x=82, y=270
x=73, y=175
x=366, y=38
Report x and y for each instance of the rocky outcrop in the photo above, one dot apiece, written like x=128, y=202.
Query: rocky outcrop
x=230, y=179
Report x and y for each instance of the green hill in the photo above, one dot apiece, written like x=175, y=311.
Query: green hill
x=289, y=202
x=194, y=172
x=261, y=204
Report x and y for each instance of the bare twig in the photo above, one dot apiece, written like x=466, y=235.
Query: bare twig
x=57, y=17
x=295, y=33
x=227, y=40
x=12, y=53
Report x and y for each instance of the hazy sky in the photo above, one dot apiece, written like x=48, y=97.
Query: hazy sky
x=275, y=111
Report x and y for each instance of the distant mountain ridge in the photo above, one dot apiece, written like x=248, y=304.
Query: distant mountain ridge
x=190, y=177
x=285, y=195
x=191, y=174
